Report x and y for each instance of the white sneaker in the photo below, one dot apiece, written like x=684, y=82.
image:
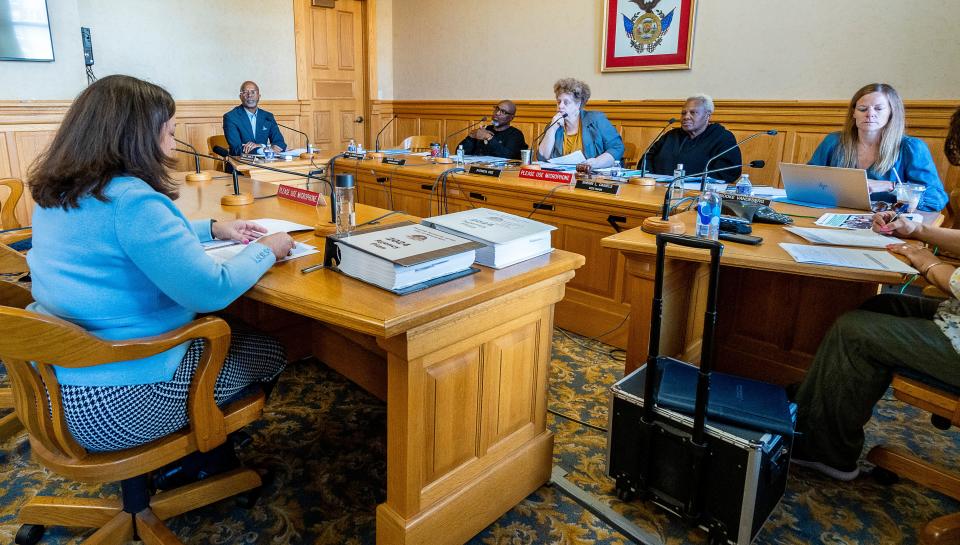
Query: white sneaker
x=829, y=471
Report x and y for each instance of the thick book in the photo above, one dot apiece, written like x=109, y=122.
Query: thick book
x=734, y=400
x=507, y=239
x=401, y=256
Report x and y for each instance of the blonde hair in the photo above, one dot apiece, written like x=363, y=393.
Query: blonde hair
x=890, y=136
x=578, y=89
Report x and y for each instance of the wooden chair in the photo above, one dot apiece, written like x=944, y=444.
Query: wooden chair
x=419, y=143
x=46, y=341
x=944, y=407
x=631, y=154
x=16, y=295
x=217, y=140
x=8, y=218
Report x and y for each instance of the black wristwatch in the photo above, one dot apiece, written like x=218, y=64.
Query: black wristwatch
x=212, y=221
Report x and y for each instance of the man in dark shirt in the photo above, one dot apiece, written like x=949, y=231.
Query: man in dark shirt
x=694, y=143
x=498, y=139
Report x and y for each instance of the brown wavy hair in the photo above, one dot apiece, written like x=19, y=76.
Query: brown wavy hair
x=577, y=88
x=890, y=136
x=111, y=129
x=951, y=146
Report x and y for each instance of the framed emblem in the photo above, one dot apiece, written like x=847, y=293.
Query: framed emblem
x=647, y=35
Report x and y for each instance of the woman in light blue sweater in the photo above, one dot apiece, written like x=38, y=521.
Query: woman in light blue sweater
x=113, y=254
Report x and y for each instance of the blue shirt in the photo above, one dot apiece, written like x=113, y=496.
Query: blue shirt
x=253, y=120
x=914, y=165
x=132, y=267
x=599, y=137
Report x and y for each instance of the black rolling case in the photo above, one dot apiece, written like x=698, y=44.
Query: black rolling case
x=719, y=461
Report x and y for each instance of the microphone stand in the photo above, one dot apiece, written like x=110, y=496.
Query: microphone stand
x=376, y=143
x=447, y=137
x=198, y=175
x=706, y=168
x=309, y=153
x=535, y=148
x=643, y=162
x=667, y=224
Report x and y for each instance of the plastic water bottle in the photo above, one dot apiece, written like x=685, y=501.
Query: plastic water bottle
x=676, y=187
x=359, y=148
x=460, y=156
x=708, y=214
x=445, y=153
x=615, y=170
x=268, y=153
x=343, y=194
x=352, y=146
x=744, y=187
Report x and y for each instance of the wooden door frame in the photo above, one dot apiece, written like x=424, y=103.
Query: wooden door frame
x=369, y=59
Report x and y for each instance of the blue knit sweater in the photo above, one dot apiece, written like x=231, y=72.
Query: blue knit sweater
x=132, y=267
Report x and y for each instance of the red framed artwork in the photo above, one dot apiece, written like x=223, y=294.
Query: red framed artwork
x=647, y=35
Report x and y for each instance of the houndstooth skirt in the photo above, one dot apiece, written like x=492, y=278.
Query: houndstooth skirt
x=108, y=418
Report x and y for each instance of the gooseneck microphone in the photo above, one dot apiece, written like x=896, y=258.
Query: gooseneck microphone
x=225, y=154
x=536, y=141
x=665, y=212
x=706, y=168
x=377, y=142
x=643, y=162
x=468, y=127
x=305, y=137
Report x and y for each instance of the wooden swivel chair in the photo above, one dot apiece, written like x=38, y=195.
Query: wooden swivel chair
x=17, y=295
x=630, y=155
x=217, y=140
x=943, y=403
x=46, y=341
x=419, y=142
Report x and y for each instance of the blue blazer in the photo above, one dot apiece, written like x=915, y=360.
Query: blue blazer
x=236, y=127
x=914, y=165
x=598, y=136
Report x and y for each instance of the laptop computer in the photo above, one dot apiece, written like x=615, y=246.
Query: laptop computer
x=827, y=186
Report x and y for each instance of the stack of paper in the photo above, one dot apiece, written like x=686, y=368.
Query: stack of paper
x=856, y=221
x=404, y=255
x=847, y=257
x=224, y=250
x=507, y=239
x=843, y=237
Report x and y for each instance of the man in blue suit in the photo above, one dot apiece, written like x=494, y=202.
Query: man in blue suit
x=248, y=127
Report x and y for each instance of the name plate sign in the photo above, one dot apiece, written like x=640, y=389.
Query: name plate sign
x=547, y=175
x=297, y=194
x=354, y=155
x=745, y=198
x=486, y=171
x=394, y=161
x=599, y=187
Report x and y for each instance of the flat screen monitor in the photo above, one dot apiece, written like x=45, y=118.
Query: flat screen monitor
x=25, y=31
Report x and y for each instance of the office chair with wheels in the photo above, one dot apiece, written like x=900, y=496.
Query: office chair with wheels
x=942, y=401
x=419, y=143
x=32, y=343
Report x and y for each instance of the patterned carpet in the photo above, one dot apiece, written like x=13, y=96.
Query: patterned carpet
x=322, y=441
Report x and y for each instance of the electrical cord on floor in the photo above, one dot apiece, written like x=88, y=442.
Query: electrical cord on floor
x=577, y=421
x=613, y=353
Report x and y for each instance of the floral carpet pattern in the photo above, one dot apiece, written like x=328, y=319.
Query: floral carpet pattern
x=322, y=446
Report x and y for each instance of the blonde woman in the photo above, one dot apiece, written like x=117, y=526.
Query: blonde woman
x=873, y=139
x=577, y=129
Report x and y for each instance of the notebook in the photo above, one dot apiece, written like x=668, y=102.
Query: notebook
x=831, y=187
x=734, y=400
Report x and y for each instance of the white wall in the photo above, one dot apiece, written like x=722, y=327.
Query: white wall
x=196, y=49
x=384, y=48
x=817, y=49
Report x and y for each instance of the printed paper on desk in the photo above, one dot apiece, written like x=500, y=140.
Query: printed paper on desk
x=574, y=158
x=843, y=237
x=855, y=258
x=227, y=252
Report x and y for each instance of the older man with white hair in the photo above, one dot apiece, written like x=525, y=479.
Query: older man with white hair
x=695, y=142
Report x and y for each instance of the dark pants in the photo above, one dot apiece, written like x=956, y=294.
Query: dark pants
x=854, y=366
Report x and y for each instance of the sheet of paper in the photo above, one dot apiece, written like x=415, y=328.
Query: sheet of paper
x=469, y=159
x=768, y=192
x=227, y=252
x=293, y=152
x=856, y=221
x=863, y=238
x=281, y=226
x=574, y=158
x=847, y=257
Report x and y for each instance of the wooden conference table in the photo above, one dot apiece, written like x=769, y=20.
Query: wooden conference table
x=462, y=366
x=772, y=311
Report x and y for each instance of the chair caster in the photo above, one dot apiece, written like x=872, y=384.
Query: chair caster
x=940, y=422
x=29, y=534
x=625, y=495
x=248, y=499
x=884, y=476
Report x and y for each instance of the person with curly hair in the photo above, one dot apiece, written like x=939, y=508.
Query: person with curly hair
x=578, y=129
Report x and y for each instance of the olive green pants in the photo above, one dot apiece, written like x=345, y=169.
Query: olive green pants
x=854, y=366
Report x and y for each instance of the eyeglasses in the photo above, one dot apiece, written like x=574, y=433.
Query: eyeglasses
x=250, y=92
x=499, y=110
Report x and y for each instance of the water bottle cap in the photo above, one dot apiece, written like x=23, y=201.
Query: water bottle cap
x=344, y=180
x=679, y=166
x=746, y=176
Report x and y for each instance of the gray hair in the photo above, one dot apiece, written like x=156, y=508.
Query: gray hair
x=704, y=99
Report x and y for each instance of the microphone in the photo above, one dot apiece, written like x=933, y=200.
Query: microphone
x=759, y=163
x=703, y=182
x=305, y=137
x=643, y=165
x=197, y=175
x=377, y=142
x=468, y=127
x=536, y=141
x=223, y=152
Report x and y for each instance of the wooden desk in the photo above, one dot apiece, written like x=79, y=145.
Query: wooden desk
x=773, y=311
x=595, y=302
x=463, y=367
